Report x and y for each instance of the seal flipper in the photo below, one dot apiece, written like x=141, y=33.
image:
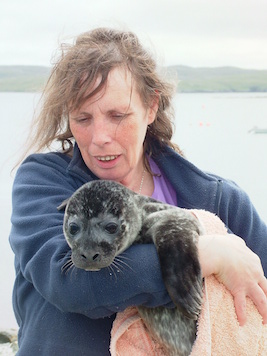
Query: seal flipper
x=175, y=235
x=63, y=205
x=182, y=275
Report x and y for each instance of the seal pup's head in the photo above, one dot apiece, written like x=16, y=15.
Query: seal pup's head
x=101, y=220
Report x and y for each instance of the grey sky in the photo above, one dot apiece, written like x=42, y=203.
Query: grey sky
x=189, y=32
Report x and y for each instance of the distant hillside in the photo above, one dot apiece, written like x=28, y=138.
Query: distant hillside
x=222, y=79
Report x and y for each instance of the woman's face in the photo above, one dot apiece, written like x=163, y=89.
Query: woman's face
x=110, y=129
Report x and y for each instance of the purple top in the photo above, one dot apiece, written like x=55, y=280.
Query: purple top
x=163, y=190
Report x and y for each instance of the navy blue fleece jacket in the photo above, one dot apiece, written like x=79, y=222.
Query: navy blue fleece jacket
x=71, y=313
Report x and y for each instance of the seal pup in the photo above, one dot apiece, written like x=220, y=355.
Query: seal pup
x=103, y=218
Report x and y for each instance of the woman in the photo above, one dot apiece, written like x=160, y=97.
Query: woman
x=107, y=105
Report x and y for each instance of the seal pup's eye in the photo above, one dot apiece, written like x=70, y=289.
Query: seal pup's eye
x=74, y=228
x=111, y=228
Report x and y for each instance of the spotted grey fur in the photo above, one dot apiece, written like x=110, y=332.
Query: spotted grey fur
x=103, y=218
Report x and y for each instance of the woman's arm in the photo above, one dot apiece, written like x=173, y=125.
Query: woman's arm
x=242, y=265
x=41, y=184
x=241, y=218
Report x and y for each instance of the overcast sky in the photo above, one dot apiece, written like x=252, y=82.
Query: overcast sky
x=190, y=32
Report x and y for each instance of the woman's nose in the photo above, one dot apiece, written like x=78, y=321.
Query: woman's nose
x=102, y=132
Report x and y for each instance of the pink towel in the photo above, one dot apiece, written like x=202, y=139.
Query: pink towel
x=218, y=331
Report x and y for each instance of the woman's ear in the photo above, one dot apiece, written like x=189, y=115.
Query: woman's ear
x=153, y=109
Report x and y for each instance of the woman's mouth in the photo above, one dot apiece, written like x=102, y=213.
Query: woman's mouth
x=106, y=158
x=106, y=163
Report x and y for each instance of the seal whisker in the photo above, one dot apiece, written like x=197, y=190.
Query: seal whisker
x=73, y=270
x=64, y=254
x=67, y=266
x=113, y=272
x=124, y=256
x=122, y=263
x=117, y=266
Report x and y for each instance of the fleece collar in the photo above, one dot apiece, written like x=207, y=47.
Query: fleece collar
x=194, y=188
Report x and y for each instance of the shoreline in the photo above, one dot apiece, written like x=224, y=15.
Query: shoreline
x=8, y=342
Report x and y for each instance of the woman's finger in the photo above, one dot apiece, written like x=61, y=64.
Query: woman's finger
x=259, y=297
x=263, y=285
x=240, y=307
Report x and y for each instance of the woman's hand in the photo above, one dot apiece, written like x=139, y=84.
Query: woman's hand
x=238, y=268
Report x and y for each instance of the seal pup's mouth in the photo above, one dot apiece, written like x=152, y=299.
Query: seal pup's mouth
x=92, y=269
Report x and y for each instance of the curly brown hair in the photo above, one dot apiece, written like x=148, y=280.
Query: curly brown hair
x=92, y=56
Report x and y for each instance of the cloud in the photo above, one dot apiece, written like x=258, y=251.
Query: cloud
x=191, y=32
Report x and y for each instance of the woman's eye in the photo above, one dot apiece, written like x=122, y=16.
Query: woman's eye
x=74, y=228
x=111, y=228
x=118, y=115
x=82, y=120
